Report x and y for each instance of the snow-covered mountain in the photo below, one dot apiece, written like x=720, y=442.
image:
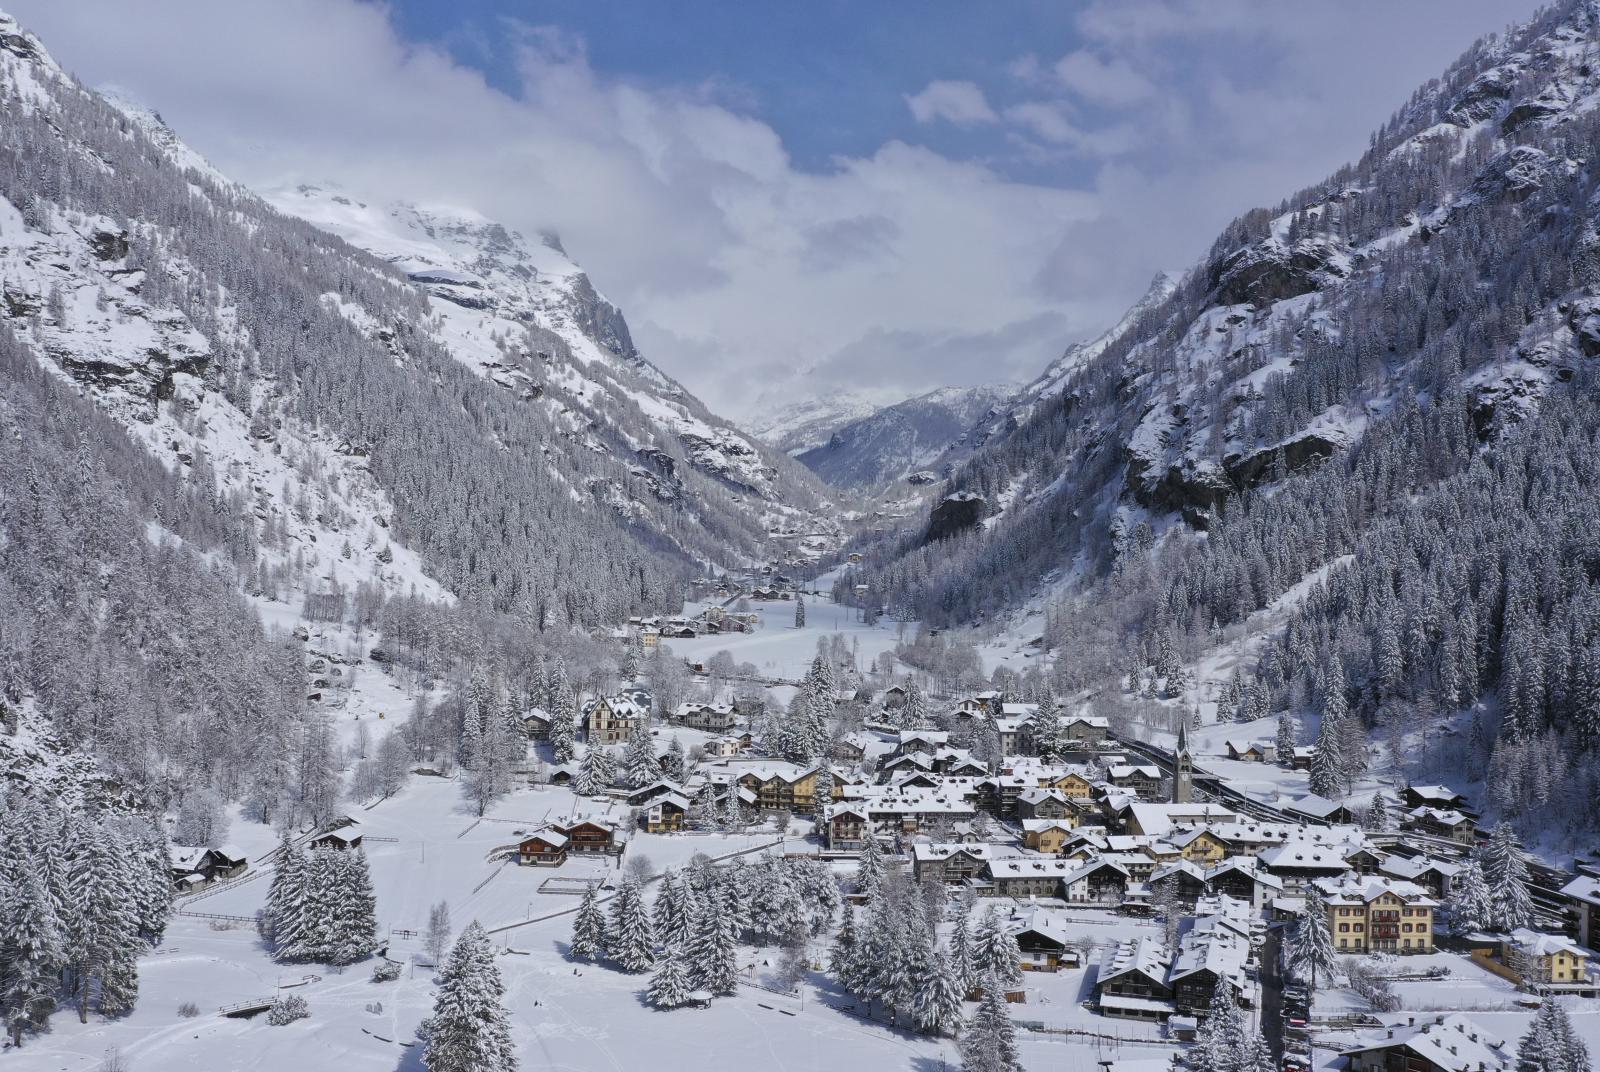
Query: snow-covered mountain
x=901, y=441
x=526, y=317
x=797, y=426
x=1379, y=395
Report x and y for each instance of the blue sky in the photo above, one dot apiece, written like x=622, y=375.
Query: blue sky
x=792, y=200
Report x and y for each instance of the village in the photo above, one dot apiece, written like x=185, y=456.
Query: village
x=1139, y=886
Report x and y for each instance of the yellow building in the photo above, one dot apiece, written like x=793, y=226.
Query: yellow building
x=1380, y=916
x=1200, y=846
x=1545, y=958
x=1046, y=835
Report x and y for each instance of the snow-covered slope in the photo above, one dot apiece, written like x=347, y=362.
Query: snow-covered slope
x=902, y=440
x=797, y=426
x=525, y=316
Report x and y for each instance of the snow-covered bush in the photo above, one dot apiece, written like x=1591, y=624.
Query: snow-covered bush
x=386, y=971
x=286, y=1010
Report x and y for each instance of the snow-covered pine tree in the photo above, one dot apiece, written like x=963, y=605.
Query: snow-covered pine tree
x=1330, y=765
x=1551, y=1044
x=1288, y=737
x=869, y=872
x=353, y=922
x=1378, y=813
x=588, y=927
x=713, y=955
x=1044, y=731
x=799, y=611
x=937, y=1001
x=669, y=986
x=1311, y=954
x=673, y=911
x=842, y=952
x=1470, y=904
x=639, y=764
x=632, y=938
x=31, y=952
x=284, y=914
x=914, y=713
x=1505, y=870
x=152, y=866
x=675, y=762
x=103, y=941
x=469, y=1030
x=994, y=949
x=960, y=953
x=822, y=791
x=989, y=1043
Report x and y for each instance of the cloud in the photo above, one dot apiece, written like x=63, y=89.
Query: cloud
x=961, y=103
x=744, y=274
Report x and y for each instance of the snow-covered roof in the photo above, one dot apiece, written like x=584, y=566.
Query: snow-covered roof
x=1360, y=891
x=934, y=851
x=1037, y=795
x=1314, y=806
x=554, y=838
x=1454, y=1043
x=1539, y=944
x=1585, y=888
x=1441, y=794
x=1160, y=818
x=1410, y=868
x=1219, y=950
x=1302, y=855
x=1144, y=956
x=1039, y=826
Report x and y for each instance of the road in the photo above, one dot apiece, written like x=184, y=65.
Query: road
x=1272, y=993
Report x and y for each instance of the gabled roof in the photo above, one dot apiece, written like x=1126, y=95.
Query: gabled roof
x=1361, y=891
x=1144, y=956
x=933, y=851
x=1452, y=1043
x=1412, y=868
x=1539, y=944
x=554, y=838
x=1585, y=888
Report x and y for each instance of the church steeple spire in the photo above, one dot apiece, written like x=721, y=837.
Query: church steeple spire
x=1183, y=768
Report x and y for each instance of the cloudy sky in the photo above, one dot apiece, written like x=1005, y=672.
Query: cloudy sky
x=792, y=199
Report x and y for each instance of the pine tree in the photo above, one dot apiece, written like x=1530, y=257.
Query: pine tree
x=669, y=986
x=283, y=917
x=31, y=953
x=1311, y=953
x=713, y=955
x=799, y=612
x=469, y=1030
x=588, y=927
x=1045, y=729
x=994, y=949
x=673, y=916
x=1378, y=814
x=936, y=1005
x=842, y=953
x=1471, y=904
x=639, y=764
x=632, y=938
x=103, y=939
x=960, y=951
x=914, y=712
x=1506, y=871
x=353, y=926
x=989, y=1043
x=869, y=872
x=1331, y=766
x=1551, y=1044
x=1288, y=734
x=822, y=792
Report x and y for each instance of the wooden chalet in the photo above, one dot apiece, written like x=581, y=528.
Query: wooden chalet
x=547, y=848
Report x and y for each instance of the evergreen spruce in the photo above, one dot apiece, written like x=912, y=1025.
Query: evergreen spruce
x=989, y=1043
x=669, y=986
x=1505, y=870
x=631, y=937
x=469, y=1030
x=588, y=927
x=1311, y=955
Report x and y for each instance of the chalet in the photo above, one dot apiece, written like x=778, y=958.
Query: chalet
x=1315, y=809
x=998, y=793
x=341, y=839
x=563, y=773
x=1430, y=1043
x=1365, y=860
x=612, y=719
x=1302, y=756
x=722, y=748
x=894, y=696
x=1098, y=882
x=665, y=814
x=1046, y=835
x=950, y=862
x=1300, y=863
x=1433, y=875
x=1086, y=731
x=1379, y=916
x=1441, y=823
x=1142, y=779
x=1433, y=796
x=1072, y=785
x=536, y=724
x=1028, y=876
x=1042, y=939
x=1045, y=804
x=1244, y=880
x=926, y=742
x=1209, y=955
x=1583, y=894
x=1200, y=845
x=1132, y=982
x=781, y=786
x=195, y=866
x=846, y=827
x=645, y=794
x=1546, y=960
x=590, y=836
x=910, y=810
x=1252, y=751
x=547, y=848
x=712, y=718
